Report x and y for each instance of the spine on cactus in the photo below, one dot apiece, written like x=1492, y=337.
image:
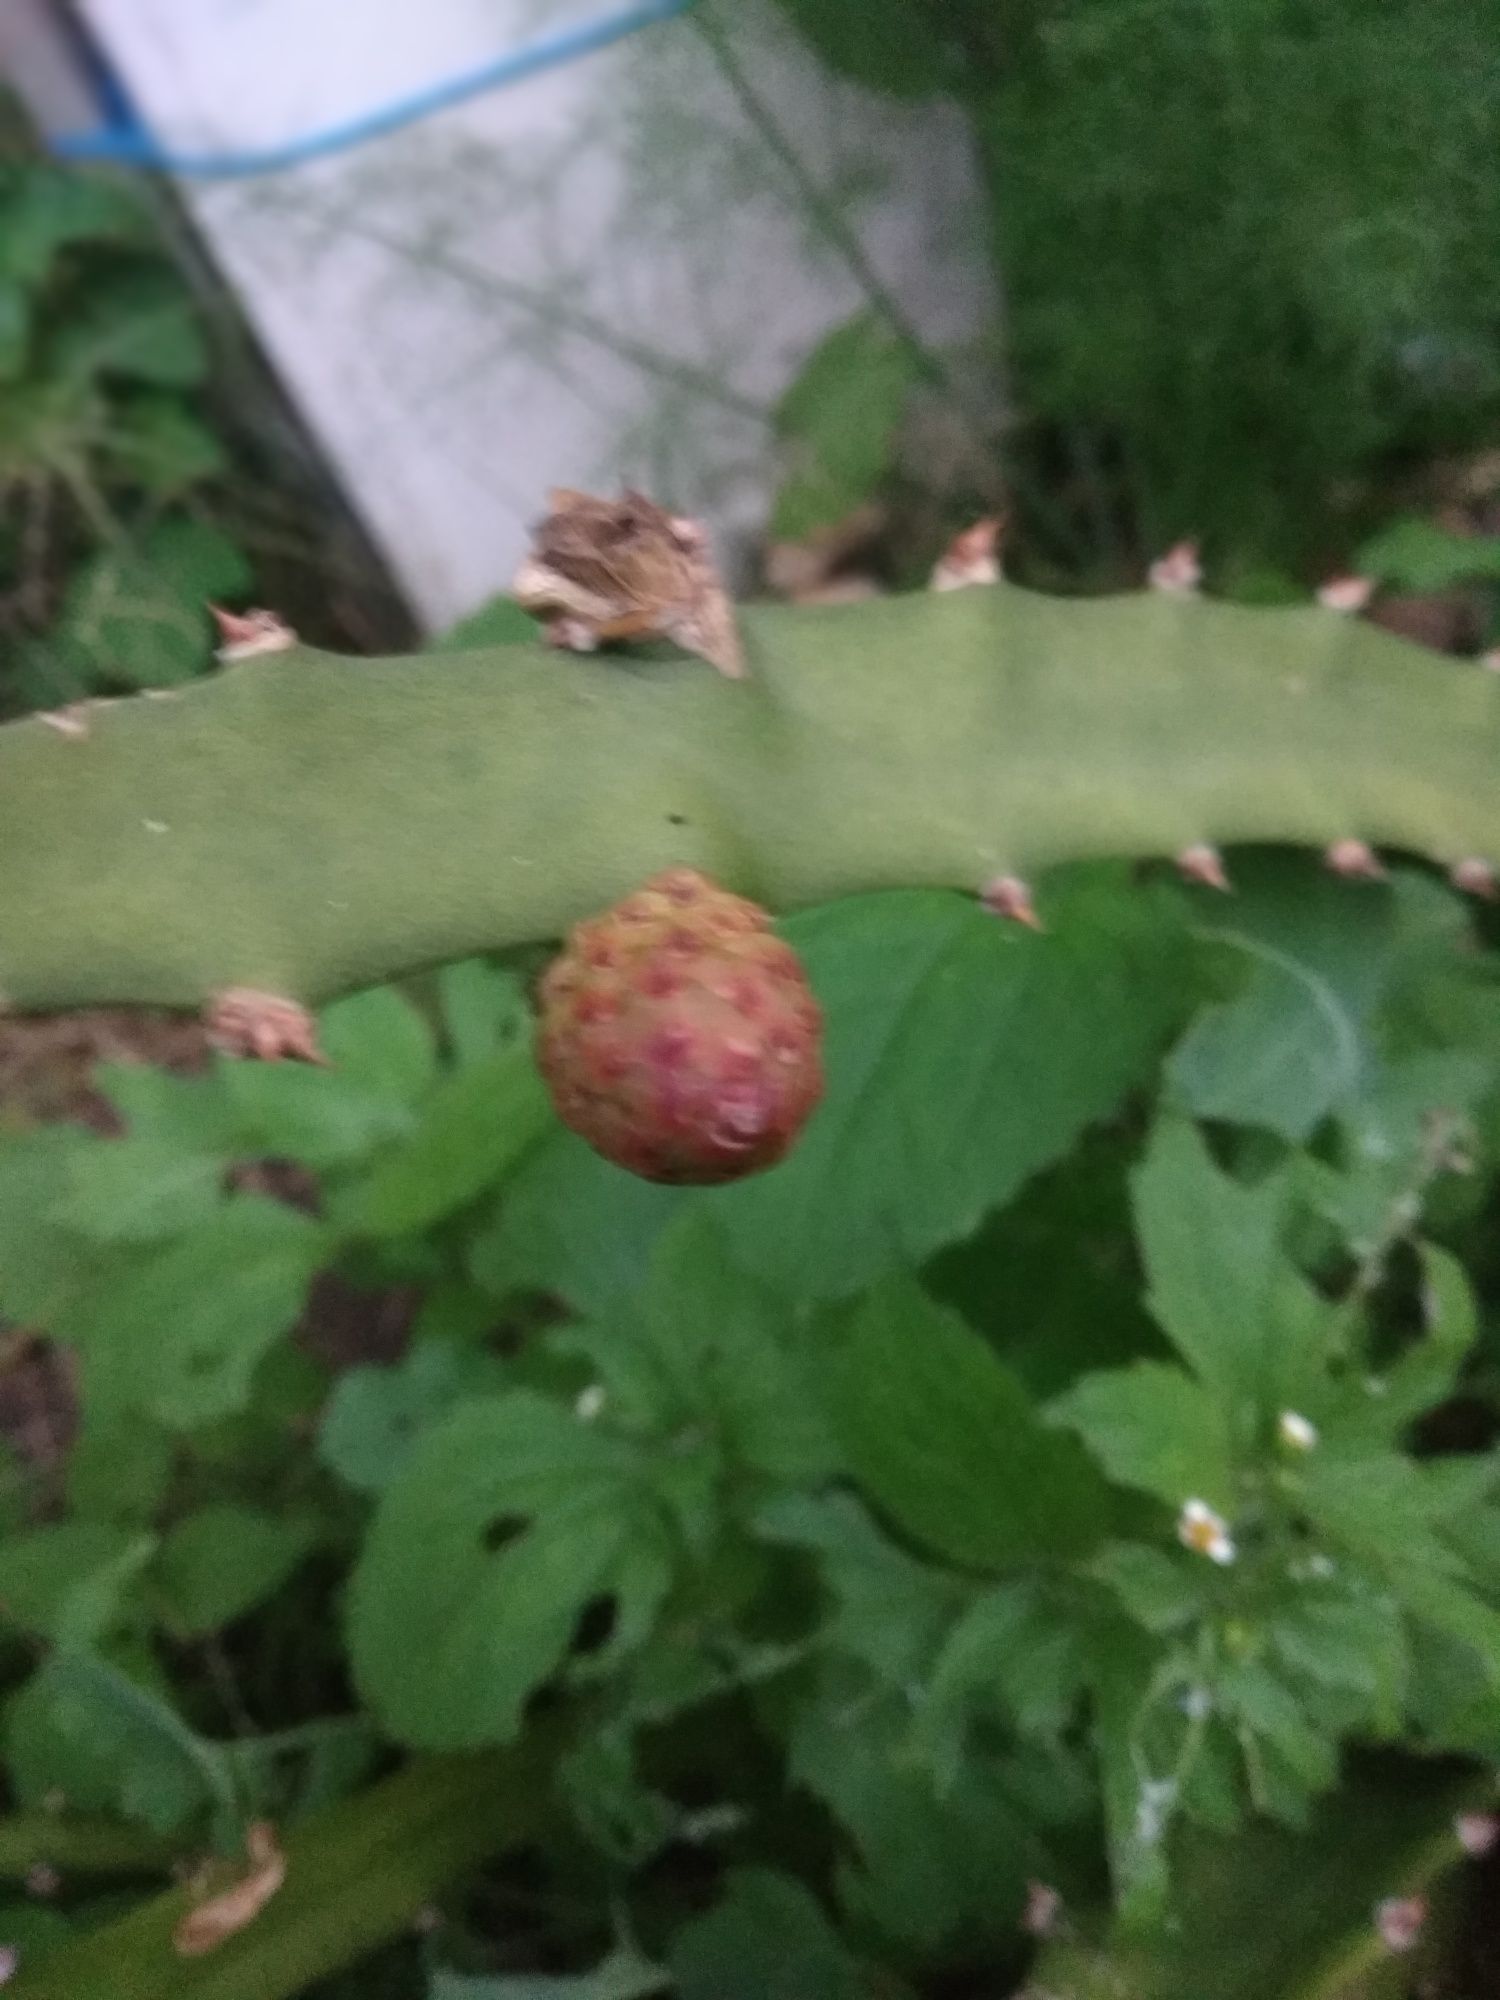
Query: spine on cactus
x=300, y=823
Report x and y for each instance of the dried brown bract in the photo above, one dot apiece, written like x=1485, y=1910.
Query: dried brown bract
x=602, y=570
x=229, y=1909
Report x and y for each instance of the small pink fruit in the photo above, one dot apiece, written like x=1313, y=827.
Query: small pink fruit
x=679, y=1036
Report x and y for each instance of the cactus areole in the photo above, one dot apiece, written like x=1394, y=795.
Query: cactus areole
x=300, y=824
x=679, y=1036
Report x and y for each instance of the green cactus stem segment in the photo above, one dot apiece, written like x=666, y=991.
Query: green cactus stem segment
x=302, y=824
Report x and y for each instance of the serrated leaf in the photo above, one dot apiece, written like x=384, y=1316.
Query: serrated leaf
x=1293, y=1042
x=142, y=326
x=507, y=1520
x=137, y=617
x=767, y=1939
x=472, y=1129
x=1161, y=1592
x=571, y=1224
x=725, y=1354
x=380, y=1042
x=181, y=1332
x=1213, y=1261
x=136, y=1190
x=889, y=1609
x=963, y=1054
x=317, y=1117
x=1417, y=554
x=48, y=208
x=160, y=1771
x=160, y=445
x=375, y=1415
x=944, y=1439
x=840, y=416
x=220, y=1562
x=191, y=1113
x=1153, y=1427
x=67, y=1582
x=39, y=1260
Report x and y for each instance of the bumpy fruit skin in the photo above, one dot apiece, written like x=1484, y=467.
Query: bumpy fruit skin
x=679, y=1036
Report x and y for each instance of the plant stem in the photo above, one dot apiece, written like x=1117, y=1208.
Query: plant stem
x=357, y=1875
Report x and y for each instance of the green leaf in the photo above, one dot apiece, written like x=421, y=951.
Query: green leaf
x=1293, y=1042
x=191, y=1113
x=161, y=1772
x=1416, y=554
x=158, y=443
x=380, y=1042
x=963, y=1054
x=1161, y=1592
x=68, y=1582
x=180, y=1333
x=506, y=1521
x=932, y=1866
x=135, y=1190
x=1213, y=1263
x=223, y=1560
x=767, y=1939
x=571, y=1224
x=1010, y=1652
x=317, y=1117
x=15, y=329
x=470, y=1132
x=484, y=1009
x=375, y=1415
x=500, y=622
x=141, y=326
x=945, y=1440
x=1154, y=1427
x=885, y=44
x=39, y=1261
x=47, y=209
x=624, y=1975
x=137, y=617
x=722, y=1345
x=119, y=1468
x=841, y=414
x=890, y=1610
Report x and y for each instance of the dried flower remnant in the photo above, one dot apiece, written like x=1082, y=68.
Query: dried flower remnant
x=603, y=570
x=227, y=1910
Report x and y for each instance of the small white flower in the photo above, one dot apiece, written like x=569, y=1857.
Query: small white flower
x=1346, y=593
x=10, y=1963
x=1178, y=572
x=590, y=1403
x=1197, y=1704
x=1206, y=1533
x=1295, y=1431
x=1322, y=1567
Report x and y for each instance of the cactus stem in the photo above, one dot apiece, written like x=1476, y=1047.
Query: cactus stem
x=1205, y=866
x=1008, y=896
x=1356, y=860
x=1475, y=878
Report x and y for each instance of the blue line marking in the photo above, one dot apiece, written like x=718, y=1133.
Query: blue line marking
x=130, y=144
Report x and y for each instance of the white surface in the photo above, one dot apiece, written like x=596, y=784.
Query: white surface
x=552, y=285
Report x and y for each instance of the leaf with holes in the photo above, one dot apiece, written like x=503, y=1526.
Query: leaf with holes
x=506, y=1523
